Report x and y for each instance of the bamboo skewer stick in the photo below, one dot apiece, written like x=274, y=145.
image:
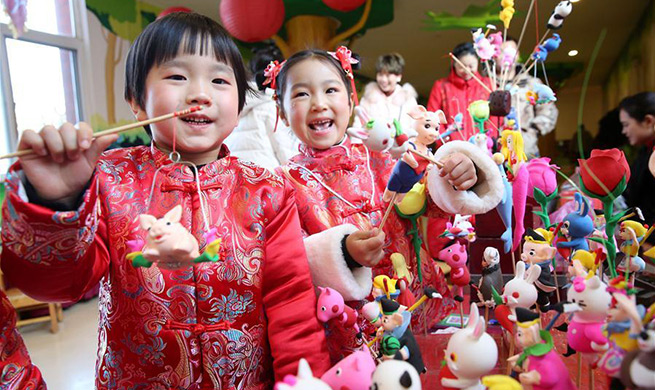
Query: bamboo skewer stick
x=386, y=213
x=119, y=129
x=526, y=69
x=470, y=73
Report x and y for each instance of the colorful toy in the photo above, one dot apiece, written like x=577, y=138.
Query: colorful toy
x=480, y=112
x=561, y=11
x=408, y=170
x=583, y=262
x=541, y=366
x=538, y=250
x=540, y=54
x=483, y=47
x=577, y=226
x=507, y=12
x=541, y=94
x=454, y=254
x=584, y=332
x=501, y=382
x=384, y=286
x=305, y=380
x=353, y=372
x=638, y=367
x=552, y=43
x=512, y=149
x=460, y=228
x=396, y=324
x=484, y=143
x=632, y=233
x=395, y=375
x=492, y=276
x=470, y=354
x=521, y=291
x=169, y=243
x=504, y=208
x=330, y=305
x=379, y=135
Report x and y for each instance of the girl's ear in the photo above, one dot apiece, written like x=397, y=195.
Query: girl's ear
x=139, y=113
x=282, y=115
x=649, y=120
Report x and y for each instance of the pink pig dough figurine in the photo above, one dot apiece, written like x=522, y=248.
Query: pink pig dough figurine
x=167, y=240
x=410, y=169
x=330, y=305
x=540, y=365
x=354, y=372
x=455, y=256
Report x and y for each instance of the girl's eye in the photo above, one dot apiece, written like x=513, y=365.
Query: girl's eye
x=331, y=90
x=219, y=81
x=300, y=94
x=176, y=77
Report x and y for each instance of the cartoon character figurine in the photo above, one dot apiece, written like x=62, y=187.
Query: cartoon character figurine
x=395, y=324
x=305, y=380
x=538, y=250
x=170, y=243
x=582, y=262
x=379, y=135
x=409, y=170
x=561, y=11
x=638, y=367
x=585, y=330
x=461, y=227
x=540, y=365
x=577, y=226
x=471, y=353
x=518, y=292
x=492, y=276
x=352, y=372
x=394, y=375
x=330, y=305
x=454, y=254
x=512, y=149
x=553, y=43
x=632, y=233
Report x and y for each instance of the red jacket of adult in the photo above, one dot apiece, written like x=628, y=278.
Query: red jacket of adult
x=231, y=324
x=453, y=95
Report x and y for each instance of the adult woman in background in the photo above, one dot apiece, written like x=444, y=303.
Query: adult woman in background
x=454, y=93
x=637, y=115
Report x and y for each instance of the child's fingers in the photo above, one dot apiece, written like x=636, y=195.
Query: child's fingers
x=53, y=143
x=69, y=138
x=99, y=145
x=30, y=139
x=458, y=171
x=84, y=135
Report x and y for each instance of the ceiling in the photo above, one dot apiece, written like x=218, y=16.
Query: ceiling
x=425, y=51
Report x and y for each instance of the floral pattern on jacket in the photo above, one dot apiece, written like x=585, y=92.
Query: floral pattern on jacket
x=224, y=325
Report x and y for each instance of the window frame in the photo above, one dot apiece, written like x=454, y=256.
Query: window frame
x=79, y=45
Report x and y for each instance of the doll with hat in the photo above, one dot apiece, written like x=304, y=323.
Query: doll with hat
x=540, y=365
x=538, y=249
x=395, y=323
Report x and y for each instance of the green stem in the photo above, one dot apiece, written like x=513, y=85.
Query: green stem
x=608, y=206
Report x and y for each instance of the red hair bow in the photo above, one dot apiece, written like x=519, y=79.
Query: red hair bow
x=344, y=56
x=271, y=72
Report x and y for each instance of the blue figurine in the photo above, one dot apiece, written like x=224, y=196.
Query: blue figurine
x=544, y=94
x=577, y=226
x=552, y=43
x=540, y=54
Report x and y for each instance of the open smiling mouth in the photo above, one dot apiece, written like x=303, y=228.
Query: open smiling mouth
x=197, y=120
x=321, y=125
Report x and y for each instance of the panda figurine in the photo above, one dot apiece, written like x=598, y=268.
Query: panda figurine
x=561, y=11
x=395, y=375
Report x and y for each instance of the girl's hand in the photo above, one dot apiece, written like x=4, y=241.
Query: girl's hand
x=365, y=247
x=64, y=159
x=459, y=170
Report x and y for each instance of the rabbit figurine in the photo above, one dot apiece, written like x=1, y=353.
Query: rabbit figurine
x=379, y=135
x=305, y=380
x=167, y=240
x=521, y=291
x=470, y=354
x=577, y=226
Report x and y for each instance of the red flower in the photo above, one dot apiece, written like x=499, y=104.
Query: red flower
x=608, y=167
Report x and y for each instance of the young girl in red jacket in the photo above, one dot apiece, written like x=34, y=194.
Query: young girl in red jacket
x=71, y=213
x=339, y=187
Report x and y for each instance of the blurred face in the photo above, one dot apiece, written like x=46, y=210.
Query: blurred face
x=534, y=253
x=316, y=104
x=387, y=81
x=186, y=81
x=638, y=133
x=470, y=62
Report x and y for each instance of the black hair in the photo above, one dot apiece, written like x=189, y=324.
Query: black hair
x=301, y=56
x=160, y=41
x=262, y=56
x=463, y=49
x=392, y=63
x=639, y=105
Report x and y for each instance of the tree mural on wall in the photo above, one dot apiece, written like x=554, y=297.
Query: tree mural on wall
x=299, y=24
x=123, y=19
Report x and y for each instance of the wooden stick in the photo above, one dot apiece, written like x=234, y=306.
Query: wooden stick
x=438, y=163
x=556, y=282
x=461, y=315
x=526, y=69
x=469, y=72
x=511, y=352
x=579, y=377
x=491, y=76
x=119, y=129
x=386, y=213
x=591, y=378
x=525, y=24
x=513, y=262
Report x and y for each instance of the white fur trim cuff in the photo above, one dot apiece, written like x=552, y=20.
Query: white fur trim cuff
x=328, y=265
x=482, y=197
